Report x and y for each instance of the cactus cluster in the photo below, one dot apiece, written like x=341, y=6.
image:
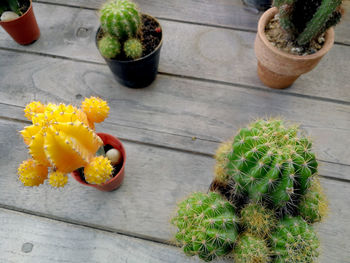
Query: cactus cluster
x=62, y=139
x=268, y=173
x=304, y=20
x=121, y=24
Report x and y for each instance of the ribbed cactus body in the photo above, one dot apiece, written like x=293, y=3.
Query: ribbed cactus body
x=120, y=18
x=251, y=249
x=98, y=170
x=294, y=241
x=318, y=21
x=268, y=161
x=207, y=225
x=133, y=48
x=257, y=220
x=313, y=206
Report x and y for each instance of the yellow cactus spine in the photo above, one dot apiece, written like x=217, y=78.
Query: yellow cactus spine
x=98, y=171
x=58, y=179
x=95, y=109
x=31, y=173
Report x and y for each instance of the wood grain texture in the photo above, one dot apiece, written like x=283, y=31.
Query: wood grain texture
x=189, y=50
x=155, y=180
x=171, y=105
x=225, y=13
x=40, y=240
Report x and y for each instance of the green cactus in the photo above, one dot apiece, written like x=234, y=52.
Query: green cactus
x=318, y=21
x=109, y=46
x=120, y=18
x=250, y=249
x=269, y=162
x=257, y=219
x=207, y=225
x=313, y=206
x=133, y=48
x=294, y=241
x=305, y=20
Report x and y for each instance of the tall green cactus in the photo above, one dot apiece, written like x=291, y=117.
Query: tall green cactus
x=120, y=18
x=207, y=225
x=270, y=162
x=304, y=20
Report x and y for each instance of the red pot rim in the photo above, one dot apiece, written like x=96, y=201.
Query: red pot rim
x=76, y=174
x=15, y=20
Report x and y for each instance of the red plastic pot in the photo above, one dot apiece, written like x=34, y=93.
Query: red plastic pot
x=117, y=180
x=24, y=30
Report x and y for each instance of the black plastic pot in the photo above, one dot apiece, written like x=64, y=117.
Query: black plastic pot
x=137, y=73
x=261, y=5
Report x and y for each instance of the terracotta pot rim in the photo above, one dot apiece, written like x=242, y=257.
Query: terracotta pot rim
x=141, y=58
x=267, y=16
x=14, y=20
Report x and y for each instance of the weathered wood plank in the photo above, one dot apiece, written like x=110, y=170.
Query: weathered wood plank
x=155, y=180
x=170, y=141
x=35, y=239
x=226, y=13
x=189, y=50
x=207, y=111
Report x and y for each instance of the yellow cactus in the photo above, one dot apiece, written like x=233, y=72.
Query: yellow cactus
x=58, y=179
x=31, y=173
x=96, y=109
x=61, y=137
x=98, y=171
x=33, y=108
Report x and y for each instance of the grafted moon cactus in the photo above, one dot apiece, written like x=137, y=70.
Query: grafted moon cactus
x=62, y=138
x=120, y=18
x=207, y=225
x=251, y=249
x=270, y=161
x=294, y=241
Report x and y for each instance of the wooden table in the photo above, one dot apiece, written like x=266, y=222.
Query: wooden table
x=207, y=88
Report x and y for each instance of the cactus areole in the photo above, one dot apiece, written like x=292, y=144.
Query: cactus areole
x=130, y=43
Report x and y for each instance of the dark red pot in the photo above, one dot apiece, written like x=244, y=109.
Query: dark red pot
x=24, y=30
x=117, y=180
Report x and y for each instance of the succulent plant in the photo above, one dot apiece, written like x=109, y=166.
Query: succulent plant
x=305, y=20
x=251, y=249
x=10, y=5
x=258, y=220
x=133, y=48
x=313, y=206
x=207, y=225
x=294, y=241
x=109, y=46
x=120, y=18
x=62, y=138
x=98, y=170
x=270, y=162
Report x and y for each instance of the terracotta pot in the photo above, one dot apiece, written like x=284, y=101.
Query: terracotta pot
x=277, y=69
x=117, y=180
x=24, y=30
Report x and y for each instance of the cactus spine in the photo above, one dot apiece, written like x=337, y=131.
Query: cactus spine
x=294, y=241
x=207, y=225
x=120, y=18
x=109, y=46
x=133, y=48
x=250, y=249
